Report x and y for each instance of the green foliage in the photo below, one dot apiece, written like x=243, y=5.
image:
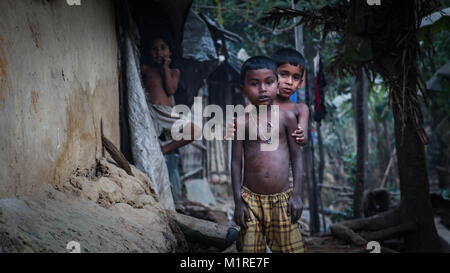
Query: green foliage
x=435, y=52
x=349, y=160
x=241, y=18
x=379, y=107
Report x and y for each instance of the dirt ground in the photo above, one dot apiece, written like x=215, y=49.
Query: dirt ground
x=329, y=244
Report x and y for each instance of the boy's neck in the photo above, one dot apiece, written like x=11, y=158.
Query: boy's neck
x=269, y=107
x=155, y=65
x=282, y=100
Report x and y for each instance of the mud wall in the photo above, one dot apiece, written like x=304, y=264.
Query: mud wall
x=58, y=78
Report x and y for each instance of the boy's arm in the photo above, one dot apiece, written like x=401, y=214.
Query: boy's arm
x=301, y=133
x=171, y=78
x=241, y=214
x=295, y=207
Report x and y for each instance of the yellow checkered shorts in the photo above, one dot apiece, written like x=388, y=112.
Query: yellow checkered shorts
x=269, y=219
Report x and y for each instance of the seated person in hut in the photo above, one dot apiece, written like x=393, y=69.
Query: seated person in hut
x=160, y=83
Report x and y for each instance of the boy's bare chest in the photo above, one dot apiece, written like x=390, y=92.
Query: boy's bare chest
x=264, y=130
x=153, y=79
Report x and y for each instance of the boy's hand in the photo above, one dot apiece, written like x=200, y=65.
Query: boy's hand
x=241, y=214
x=299, y=135
x=230, y=130
x=295, y=207
x=166, y=62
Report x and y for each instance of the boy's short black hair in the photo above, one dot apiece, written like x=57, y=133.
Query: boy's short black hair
x=289, y=56
x=258, y=62
x=165, y=36
x=147, y=44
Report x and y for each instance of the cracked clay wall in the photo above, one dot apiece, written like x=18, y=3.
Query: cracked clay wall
x=58, y=78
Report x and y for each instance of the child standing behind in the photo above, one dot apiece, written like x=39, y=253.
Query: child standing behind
x=291, y=72
x=265, y=203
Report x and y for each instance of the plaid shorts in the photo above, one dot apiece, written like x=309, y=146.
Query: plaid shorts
x=269, y=219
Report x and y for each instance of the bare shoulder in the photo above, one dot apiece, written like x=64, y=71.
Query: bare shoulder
x=302, y=108
x=145, y=68
x=286, y=104
x=288, y=117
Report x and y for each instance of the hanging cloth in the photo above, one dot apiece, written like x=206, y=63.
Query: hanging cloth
x=320, y=83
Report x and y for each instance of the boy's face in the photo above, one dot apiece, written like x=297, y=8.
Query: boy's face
x=159, y=51
x=260, y=86
x=290, y=78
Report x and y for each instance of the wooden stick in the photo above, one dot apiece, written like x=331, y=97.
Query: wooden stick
x=442, y=169
x=388, y=168
x=202, y=231
x=337, y=188
x=388, y=232
x=117, y=155
x=191, y=173
x=347, y=194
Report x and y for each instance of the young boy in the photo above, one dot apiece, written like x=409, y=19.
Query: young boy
x=265, y=204
x=291, y=72
x=161, y=83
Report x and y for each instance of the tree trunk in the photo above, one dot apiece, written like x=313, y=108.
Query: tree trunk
x=308, y=149
x=393, y=173
x=321, y=169
x=397, y=62
x=414, y=186
x=321, y=152
x=361, y=124
x=299, y=46
x=381, y=156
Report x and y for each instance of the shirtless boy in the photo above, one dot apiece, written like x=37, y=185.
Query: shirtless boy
x=161, y=83
x=291, y=72
x=266, y=205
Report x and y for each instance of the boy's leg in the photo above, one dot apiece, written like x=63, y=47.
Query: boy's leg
x=282, y=235
x=251, y=239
